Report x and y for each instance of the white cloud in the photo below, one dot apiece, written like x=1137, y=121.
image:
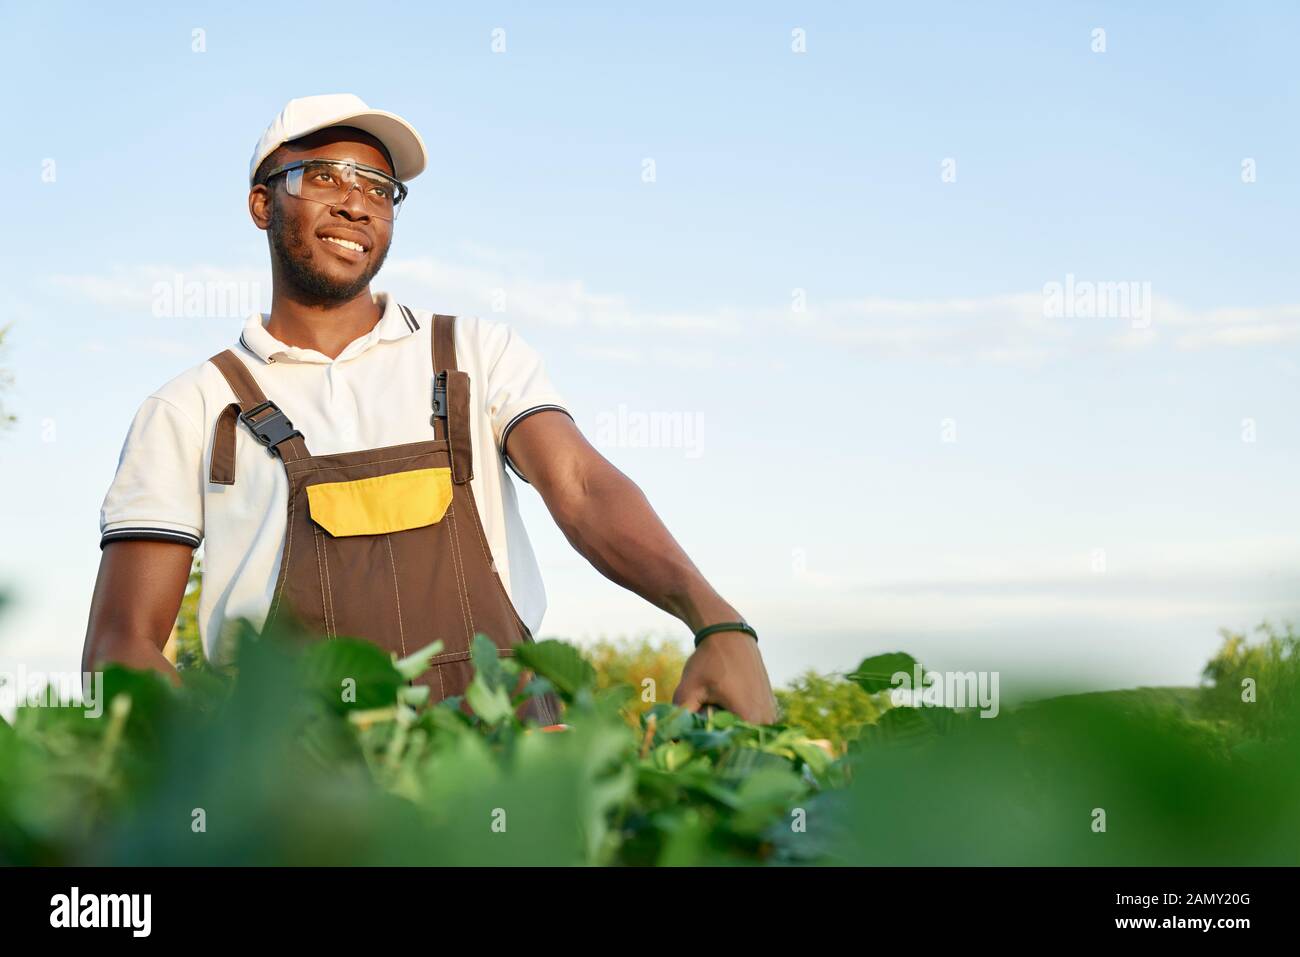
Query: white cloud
x=1228, y=327
x=136, y=289
x=1009, y=329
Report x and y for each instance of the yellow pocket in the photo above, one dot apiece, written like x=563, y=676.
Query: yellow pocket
x=385, y=503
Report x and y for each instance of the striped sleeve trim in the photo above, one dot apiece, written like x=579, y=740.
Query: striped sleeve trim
x=505, y=433
x=149, y=534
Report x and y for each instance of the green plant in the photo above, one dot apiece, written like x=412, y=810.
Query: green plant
x=189, y=645
x=325, y=752
x=1256, y=687
x=829, y=707
x=652, y=668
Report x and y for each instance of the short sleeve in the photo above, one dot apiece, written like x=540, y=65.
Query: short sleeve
x=157, y=492
x=518, y=385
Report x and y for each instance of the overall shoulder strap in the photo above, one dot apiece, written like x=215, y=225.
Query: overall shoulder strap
x=262, y=416
x=444, y=342
x=451, y=400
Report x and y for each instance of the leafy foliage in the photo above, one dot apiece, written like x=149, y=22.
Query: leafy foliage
x=189, y=645
x=876, y=673
x=633, y=662
x=1257, y=687
x=327, y=753
x=829, y=708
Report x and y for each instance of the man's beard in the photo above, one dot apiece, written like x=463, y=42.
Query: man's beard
x=293, y=252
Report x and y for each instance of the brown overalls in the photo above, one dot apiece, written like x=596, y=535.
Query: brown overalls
x=386, y=544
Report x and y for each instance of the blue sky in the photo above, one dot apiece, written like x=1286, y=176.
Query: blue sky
x=822, y=498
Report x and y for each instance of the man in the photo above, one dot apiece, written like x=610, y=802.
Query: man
x=307, y=460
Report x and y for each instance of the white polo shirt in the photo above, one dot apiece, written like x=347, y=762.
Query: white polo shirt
x=376, y=393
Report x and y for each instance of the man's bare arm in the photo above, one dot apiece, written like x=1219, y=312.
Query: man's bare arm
x=137, y=596
x=608, y=519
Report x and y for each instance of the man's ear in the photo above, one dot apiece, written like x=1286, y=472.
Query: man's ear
x=259, y=206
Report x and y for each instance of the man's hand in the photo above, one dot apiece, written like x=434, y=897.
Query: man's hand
x=727, y=671
x=610, y=522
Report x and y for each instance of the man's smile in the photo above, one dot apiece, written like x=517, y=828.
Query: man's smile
x=348, y=244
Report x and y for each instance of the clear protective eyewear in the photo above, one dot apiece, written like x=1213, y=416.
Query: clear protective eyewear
x=330, y=182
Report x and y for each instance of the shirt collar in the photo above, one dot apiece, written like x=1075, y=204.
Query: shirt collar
x=396, y=322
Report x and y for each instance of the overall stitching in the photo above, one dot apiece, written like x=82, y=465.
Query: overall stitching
x=528, y=635
x=460, y=579
x=464, y=580
x=397, y=594
x=288, y=548
x=325, y=559
x=320, y=574
x=351, y=465
x=548, y=713
x=450, y=656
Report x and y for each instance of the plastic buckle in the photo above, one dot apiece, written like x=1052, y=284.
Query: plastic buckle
x=273, y=429
x=440, y=396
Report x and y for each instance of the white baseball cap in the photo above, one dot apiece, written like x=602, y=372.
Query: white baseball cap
x=307, y=114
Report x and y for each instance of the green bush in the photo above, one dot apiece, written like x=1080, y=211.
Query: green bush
x=653, y=669
x=829, y=708
x=1256, y=688
x=326, y=753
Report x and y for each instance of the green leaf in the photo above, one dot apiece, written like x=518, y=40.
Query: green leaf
x=413, y=695
x=348, y=673
x=673, y=721
x=876, y=673
x=703, y=740
x=491, y=704
x=670, y=757
x=417, y=663
x=769, y=787
x=812, y=755
x=724, y=719
x=764, y=797
x=901, y=726
x=560, y=662
x=487, y=662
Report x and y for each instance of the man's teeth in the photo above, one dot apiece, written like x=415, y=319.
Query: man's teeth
x=345, y=243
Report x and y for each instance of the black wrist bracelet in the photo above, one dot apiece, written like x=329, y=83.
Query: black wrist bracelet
x=724, y=626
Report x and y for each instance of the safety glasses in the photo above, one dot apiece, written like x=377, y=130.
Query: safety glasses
x=330, y=182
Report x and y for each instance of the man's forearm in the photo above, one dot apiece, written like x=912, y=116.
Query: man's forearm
x=609, y=521
x=612, y=524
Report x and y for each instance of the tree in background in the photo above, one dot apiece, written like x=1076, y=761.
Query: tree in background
x=628, y=661
x=185, y=646
x=1256, y=687
x=185, y=642
x=827, y=707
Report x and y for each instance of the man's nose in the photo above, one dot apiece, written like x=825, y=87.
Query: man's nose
x=354, y=203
